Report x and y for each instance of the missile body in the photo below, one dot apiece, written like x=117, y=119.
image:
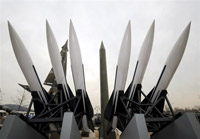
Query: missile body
x=142, y=61
x=171, y=64
x=76, y=60
x=56, y=61
x=26, y=64
x=78, y=77
x=123, y=64
x=120, y=77
x=50, y=79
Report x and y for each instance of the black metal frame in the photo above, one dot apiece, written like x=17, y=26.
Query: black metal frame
x=52, y=114
x=155, y=118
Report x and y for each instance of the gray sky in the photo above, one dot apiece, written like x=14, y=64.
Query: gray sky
x=103, y=20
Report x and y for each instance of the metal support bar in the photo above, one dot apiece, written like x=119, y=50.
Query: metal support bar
x=170, y=107
x=45, y=120
x=29, y=108
x=157, y=120
x=58, y=106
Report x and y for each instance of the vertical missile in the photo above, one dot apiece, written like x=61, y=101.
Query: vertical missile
x=123, y=60
x=171, y=63
x=120, y=77
x=76, y=59
x=123, y=64
x=56, y=60
x=26, y=64
x=104, y=90
x=78, y=77
x=142, y=61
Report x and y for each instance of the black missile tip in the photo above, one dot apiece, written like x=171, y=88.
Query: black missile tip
x=102, y=45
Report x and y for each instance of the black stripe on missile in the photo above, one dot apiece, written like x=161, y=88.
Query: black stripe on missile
x=134, y=76
x=135, y=70
x=39, y=82
x=116, y=76
x=158, y=80
x=84, y=76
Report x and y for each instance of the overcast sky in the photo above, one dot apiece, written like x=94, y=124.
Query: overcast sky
x=97, y=21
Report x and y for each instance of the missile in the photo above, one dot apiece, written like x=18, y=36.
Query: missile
x=57, y=62
x=76, y=59
x=50, y=79
x=120, y=76
x=171, y=64
x=26, y=65
x=142, y=63
x=79, y=79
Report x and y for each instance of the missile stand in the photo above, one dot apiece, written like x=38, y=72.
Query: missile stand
x=143, y=117
x=63, y=118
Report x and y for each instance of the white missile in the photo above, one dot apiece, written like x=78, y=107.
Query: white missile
x=56, y=60
x=26, y=64
x=171, y=63
x=143, y=59
x=120, y=77
x=78, y=70
x=123, y=64
x=123, y=60
x=76, y=60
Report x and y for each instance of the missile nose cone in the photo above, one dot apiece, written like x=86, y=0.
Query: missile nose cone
x=70, y=22
x=187, y=29
x=128, y=29
x=184, y=36
x=47, y=23
x=48, y=28
x=102, y=46
x=129, y=23
x=14, y=37
x=9, y=25
x=153, y=25
x=71, y=30
x=50, y=36
x=71, y=25
x=11, y=29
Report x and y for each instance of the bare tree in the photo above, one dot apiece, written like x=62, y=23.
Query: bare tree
x=22, y=99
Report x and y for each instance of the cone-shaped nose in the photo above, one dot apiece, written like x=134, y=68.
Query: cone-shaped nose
x=152, y=26
x=177, y=51
x=102, y=46
x=50, y=35
x=15, y=39
x=19, y=48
